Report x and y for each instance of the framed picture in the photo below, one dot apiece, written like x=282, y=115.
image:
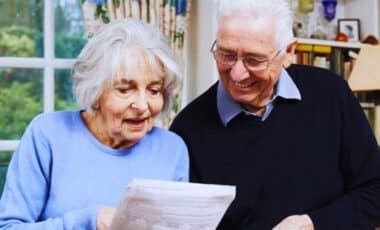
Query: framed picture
x=350, y=27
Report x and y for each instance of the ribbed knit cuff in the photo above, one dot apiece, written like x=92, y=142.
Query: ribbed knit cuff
x=81, y=219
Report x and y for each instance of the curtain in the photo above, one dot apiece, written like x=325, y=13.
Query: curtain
x=170, y=16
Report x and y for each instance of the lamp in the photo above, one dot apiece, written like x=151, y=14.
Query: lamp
x=365, y=77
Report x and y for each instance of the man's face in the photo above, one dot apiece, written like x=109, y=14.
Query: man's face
x=247, y=36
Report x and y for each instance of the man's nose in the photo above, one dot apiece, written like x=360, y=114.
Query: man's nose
x=238, y=71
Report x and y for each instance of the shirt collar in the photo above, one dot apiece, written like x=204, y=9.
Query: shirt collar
x=228, y=108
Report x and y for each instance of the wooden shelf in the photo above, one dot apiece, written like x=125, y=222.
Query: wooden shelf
x=367, y=105
x=353, y=45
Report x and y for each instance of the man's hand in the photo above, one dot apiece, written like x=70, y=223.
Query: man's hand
x=295, y=222
x=104, y=218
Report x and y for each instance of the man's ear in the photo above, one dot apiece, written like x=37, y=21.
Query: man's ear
x=289, y=52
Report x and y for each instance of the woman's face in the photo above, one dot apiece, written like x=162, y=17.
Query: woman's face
x=127, y=109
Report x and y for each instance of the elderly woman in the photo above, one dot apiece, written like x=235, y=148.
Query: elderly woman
x=71, y=166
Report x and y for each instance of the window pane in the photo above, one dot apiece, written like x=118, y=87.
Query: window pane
x=64, y=98
x=5, y=156
x=20, y=100
x=70, y=33
x=4, y=160
x=21, y=28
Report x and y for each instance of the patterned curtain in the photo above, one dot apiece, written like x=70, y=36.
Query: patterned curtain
x=170, y=16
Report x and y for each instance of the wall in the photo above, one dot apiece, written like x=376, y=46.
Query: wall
x=200, y=66
x=315, y=22
x=366, y=10
x=368, y=13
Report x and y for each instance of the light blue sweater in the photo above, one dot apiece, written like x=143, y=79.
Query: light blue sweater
x=60, y=175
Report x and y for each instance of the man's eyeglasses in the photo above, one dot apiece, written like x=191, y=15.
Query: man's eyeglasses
x=251, y=63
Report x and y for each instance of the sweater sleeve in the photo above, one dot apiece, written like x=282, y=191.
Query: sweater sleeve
x=26, y=189
x=359, y=206
x=182, y=169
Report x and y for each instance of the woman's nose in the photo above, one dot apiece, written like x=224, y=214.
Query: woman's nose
x=140, y=103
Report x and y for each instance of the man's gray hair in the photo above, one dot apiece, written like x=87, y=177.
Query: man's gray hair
x=279, y=10
x=121, y=44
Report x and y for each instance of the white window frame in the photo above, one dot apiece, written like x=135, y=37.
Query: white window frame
x=48, y=63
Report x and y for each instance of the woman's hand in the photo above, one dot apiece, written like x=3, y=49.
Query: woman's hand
x=104, y=218
x=295, y=222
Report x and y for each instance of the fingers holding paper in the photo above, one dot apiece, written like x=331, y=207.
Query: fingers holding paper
x=295, y=222
x=104, y=218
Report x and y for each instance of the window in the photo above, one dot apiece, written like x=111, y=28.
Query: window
x=38, y=43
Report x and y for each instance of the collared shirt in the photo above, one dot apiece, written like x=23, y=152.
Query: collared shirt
x=228, y=108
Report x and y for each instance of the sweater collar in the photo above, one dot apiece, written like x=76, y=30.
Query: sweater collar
x=229, y=108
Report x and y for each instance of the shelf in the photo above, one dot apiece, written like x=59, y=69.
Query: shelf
x=367, y=105
x=353, y=45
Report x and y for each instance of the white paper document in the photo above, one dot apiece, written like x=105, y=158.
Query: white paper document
x=167, y=205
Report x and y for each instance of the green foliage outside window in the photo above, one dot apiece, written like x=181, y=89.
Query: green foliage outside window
x=16, y=41
x=5, y=157
x=21, y=89
x=18, y=107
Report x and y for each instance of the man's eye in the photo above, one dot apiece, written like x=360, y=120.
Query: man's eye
x=228, y=56
x=253, y=60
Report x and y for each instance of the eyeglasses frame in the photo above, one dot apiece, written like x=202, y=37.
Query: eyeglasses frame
x=268, y=61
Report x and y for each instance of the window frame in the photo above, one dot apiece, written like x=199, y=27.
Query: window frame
x=48, y=63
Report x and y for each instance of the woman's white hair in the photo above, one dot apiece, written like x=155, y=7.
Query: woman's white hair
x=121, y=44
x=279, y=10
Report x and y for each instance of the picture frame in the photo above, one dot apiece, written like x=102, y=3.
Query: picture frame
x=350, y=27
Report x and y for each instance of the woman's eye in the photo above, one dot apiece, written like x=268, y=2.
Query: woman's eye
x=155, y=91
x=123, y=90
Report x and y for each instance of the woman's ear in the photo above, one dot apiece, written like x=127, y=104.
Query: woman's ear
x=289, y=52
x=96, y=105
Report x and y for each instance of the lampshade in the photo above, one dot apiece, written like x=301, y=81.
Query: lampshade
x=365, y=75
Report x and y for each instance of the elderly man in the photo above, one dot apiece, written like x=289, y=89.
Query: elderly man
x=293, y=139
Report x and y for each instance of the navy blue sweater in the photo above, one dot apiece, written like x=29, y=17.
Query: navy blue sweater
x=316, y=156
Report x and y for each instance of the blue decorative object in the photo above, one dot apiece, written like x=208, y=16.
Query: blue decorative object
x=329, y=9
x=97, y=2
x=181, y=7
